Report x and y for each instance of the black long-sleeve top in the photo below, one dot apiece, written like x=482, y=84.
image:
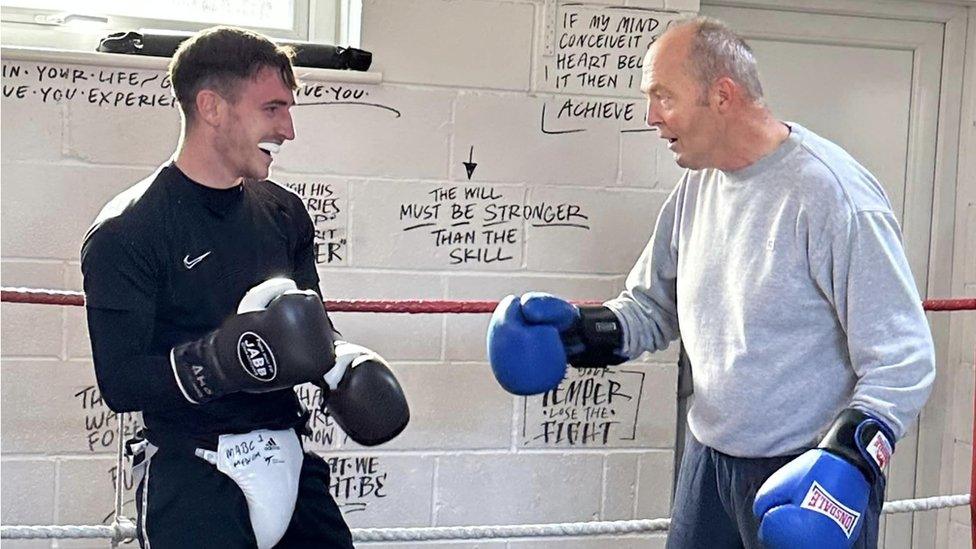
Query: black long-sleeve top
x=165, y=262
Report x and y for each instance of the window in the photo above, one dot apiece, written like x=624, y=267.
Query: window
x=78, y=25
x=278, y=15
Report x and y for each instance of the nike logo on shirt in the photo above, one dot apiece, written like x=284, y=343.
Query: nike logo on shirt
x=191, y=263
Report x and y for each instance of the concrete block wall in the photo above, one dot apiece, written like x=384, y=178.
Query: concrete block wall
x=560, y=212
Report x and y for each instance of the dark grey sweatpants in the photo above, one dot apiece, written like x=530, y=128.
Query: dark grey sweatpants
x=714, y=495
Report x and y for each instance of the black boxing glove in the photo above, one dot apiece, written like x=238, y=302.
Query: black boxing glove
x=363, y=396
x=279, y=338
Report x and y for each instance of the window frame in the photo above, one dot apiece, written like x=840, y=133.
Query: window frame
x=314, y=20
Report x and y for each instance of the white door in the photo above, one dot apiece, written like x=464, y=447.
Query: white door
x=871, y=85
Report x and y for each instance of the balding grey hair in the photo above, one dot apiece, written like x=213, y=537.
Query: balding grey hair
x=717, y=51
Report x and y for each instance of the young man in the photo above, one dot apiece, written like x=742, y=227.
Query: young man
x=779, y=262
x=204, y=311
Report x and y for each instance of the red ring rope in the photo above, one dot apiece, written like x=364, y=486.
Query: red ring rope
x=411, y=306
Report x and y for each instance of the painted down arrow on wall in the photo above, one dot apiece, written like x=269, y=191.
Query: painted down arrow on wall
x=470, y=165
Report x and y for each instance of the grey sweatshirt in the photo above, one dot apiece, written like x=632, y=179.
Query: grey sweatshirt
x=788, y=284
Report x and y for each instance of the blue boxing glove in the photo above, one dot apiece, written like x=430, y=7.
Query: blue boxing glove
x=532, y=338
x=819, y=499
x=528, y=358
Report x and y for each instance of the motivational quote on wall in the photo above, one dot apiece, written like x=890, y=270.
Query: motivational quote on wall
x=482, y=224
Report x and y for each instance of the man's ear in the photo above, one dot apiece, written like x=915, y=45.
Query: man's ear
x=210, y=106
x=724, y=92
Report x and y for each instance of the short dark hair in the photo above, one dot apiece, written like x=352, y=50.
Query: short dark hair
x=220, y=58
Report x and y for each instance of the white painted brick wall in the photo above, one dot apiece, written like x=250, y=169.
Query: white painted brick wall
x=395, y=336
x=682, y=5
x=382, y=490
x=63, y=418
x=477, y=44
x=619, y=225
x=30, y=331
x=654, y=484
x=87, y=491
x=648, y=4
x=28, y=491
x=77, y=344
x=48, y=274
x=519, y=488
x=620, y=485
x=646, y=162
x=509, y=145
x=30, y=134
x=48, y=207
x=453, y=407
x=94, y=134
x=372, y=141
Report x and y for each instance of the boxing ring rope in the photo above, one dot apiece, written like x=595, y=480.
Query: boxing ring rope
x=441, y=533
x=415, y=306
x=123, y=528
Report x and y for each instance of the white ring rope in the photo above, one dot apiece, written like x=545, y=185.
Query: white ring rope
x=125, y=529
x=511, y=531
x=925, y=504
x=67, y=531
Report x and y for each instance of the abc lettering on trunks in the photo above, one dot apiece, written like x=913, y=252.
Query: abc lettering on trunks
x=256, y=357
x=820, y=501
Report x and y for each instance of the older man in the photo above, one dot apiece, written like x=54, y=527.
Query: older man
x=778, y=261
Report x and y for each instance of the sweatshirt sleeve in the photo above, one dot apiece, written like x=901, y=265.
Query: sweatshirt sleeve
x=647, y=308
x=865, y=274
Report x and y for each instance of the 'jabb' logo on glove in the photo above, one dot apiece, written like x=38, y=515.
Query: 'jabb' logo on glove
x=256, y=357
x=820, y=501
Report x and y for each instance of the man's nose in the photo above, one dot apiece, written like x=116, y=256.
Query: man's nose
x=654, y=119
x=288, y=127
